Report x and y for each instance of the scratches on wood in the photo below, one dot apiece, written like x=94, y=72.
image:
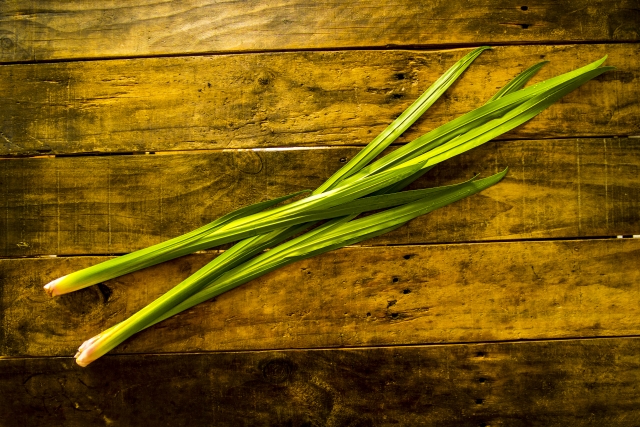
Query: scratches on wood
x=290, y=99
x=46, y=30
x=115, y=204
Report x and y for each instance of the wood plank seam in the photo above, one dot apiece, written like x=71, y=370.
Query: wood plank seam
x=576, y=383
x=425, y=345
x=54, y=31
x=360, y=245
x=389, y=47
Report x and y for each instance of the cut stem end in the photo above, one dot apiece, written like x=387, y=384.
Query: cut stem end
x=52, y=289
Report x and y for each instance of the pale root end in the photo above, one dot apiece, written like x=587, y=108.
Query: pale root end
x=51, y=289
x=87, y=351
x=83, y=361
x=83, y=355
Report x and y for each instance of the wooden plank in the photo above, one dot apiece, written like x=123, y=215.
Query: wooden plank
x=47, y=29
x=553, y=383
x=290, y=99
x=352, y=297
x=115, y=204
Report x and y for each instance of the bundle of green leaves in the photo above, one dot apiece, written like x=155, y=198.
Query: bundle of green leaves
x=291, y=231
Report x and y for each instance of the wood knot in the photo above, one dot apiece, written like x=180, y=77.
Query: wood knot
x=6, y=43
x=277, y=371
x=263, y=81
x=84, y=301
x=247, y=161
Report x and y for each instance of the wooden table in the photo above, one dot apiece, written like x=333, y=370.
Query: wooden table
x=126, y=125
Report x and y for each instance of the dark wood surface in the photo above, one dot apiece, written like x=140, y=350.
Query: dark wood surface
x=548, y=383
x=130, y=123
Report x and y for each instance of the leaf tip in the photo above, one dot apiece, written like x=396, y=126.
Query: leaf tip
x=503, y=173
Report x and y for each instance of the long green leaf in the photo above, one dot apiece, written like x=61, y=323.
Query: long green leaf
x=469, y=121
x=344, y=234
x=471, y=139
x=328, y=237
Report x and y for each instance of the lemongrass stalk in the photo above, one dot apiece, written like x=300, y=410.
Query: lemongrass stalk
x=167, y=250
x=333, y=235
x=529, y=110
x=152, y=255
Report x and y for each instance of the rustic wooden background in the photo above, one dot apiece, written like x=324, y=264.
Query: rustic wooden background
x=129, y=123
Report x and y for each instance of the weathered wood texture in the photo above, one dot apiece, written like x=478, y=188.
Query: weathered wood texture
x=287, y=75
x=561, y=383
x=115, y=204
x=351, y=297
x=290, y=99
x=48, y=29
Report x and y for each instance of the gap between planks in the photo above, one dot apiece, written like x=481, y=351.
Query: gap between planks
x=415, y=47
x=348, y=348
x=399, y=245
x=197, y=151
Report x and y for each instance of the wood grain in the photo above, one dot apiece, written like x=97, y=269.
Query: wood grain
x=290, y=99
x=115, y=204
x=240, y=101
x=47, y=29
x=351, y=297
x=577, y=383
